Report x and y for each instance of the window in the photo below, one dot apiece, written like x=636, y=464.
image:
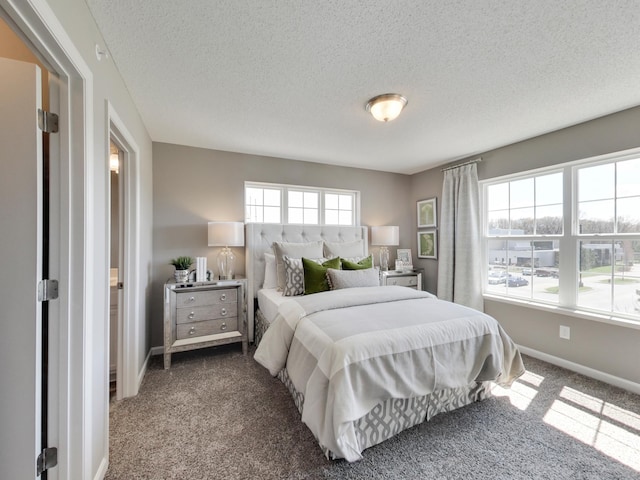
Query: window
x=609, y=198
x=262, y=204
x=303, y=207
x=608, y=244
x=567, y=236
x=338, y=208
x=273, y=203
x=521, y=216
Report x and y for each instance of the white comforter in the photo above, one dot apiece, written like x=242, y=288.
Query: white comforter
x=348, y=350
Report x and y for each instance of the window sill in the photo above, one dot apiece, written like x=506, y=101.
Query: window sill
x=591, y=316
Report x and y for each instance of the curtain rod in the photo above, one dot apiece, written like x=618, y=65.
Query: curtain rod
x=477, y=160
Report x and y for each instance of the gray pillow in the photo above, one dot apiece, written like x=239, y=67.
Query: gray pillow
x=353, y=278
x=344, y=249
x=294, y=250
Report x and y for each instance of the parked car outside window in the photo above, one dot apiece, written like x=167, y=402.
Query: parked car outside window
x=547, y=272
x=497, y=277
x=516, y=281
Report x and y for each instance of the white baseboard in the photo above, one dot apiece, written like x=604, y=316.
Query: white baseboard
x=156, y=350
x=586, y=371
x=102, y=470
x=143, y=371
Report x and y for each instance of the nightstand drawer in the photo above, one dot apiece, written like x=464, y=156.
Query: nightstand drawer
x=208, y=312
x=209, y=297
x=208, y=327
x=404, y=281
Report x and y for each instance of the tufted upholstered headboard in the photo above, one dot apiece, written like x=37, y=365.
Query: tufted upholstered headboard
x=259, y=238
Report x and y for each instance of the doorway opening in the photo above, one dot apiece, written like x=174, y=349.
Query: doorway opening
x=124, y=352
x=116, y=283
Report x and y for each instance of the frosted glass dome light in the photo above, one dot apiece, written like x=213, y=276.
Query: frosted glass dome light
x=386, y=107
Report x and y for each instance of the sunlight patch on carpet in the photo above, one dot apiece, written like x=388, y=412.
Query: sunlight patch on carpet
x=608, y=428
x=522, y=392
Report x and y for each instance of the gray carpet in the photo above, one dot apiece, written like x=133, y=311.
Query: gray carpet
x=218, y=414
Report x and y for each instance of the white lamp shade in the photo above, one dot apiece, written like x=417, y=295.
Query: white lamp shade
x=226, y=234
x=385, y=235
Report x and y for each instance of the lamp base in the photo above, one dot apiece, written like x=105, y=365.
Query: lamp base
x=384, y=259
x=226, y=261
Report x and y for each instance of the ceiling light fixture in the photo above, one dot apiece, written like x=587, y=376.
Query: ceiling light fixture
x=386, y=107
x=114, y=163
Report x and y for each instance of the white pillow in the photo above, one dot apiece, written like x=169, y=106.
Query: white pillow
x=344, y=249
x=270, y=275
x=294, y=250
x=368, y=277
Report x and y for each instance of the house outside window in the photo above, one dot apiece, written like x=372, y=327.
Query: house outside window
x=292, y=204
x=567, y=236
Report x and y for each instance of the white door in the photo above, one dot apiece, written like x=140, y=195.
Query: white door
x=20, y=268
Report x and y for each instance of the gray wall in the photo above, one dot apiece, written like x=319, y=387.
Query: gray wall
x=423, y=186
x=192, y=186
x=607, y=348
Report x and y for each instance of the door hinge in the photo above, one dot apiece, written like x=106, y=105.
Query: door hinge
x=47, y=290
x=47, y=459
x=47, y=121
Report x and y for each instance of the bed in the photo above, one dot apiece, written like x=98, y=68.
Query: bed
x=367, y=362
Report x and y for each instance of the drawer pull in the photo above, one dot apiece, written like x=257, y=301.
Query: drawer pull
x=223, y=311
x=192, y=315
x=192, y=299
x=223, y=326
x=192, y=331
x=223, y=297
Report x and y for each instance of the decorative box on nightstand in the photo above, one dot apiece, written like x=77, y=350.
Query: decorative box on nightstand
x=411, y=279
x=204, y=314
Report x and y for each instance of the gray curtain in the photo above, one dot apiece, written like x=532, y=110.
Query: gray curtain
x=459, y=264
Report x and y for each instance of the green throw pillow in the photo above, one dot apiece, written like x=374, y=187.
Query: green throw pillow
x=361, y=265
x=315, y=275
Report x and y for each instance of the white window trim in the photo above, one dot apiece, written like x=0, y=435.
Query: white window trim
x=569, y=241
x=284, y=199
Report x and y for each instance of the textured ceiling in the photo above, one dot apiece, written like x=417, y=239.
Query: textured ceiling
x=290, y=78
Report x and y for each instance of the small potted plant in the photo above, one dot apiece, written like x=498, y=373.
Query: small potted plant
x=182, y=265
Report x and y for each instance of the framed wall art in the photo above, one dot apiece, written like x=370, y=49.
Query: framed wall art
x=427, y=213
x=427, y=244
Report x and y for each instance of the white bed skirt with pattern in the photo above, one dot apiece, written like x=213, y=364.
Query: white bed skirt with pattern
x=396, y=414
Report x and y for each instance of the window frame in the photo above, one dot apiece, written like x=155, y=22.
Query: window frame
x=321, y=192
x=515, y=238
x=569, y=242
